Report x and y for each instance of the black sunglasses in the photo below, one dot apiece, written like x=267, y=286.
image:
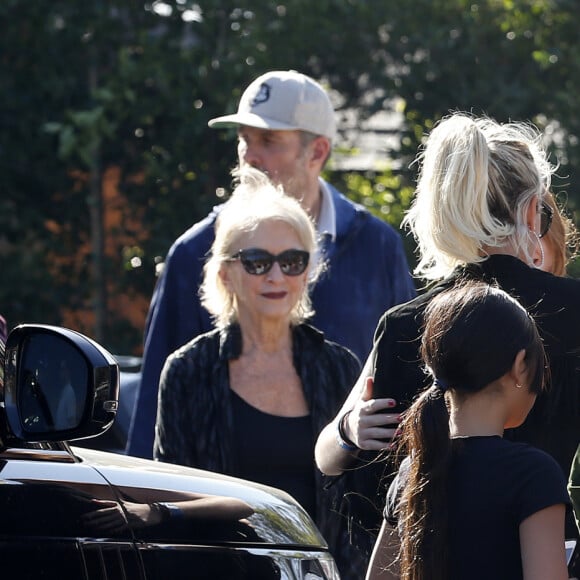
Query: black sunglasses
x=546, y=216
x=258, y=262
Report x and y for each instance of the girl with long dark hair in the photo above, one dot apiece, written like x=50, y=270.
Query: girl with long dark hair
x=466, y=502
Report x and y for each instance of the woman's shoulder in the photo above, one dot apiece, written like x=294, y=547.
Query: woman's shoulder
x=554, y=302
x=532, y=286
x=404, y=321
x=556, y=288
x=198, y=346
x=318, y=345
x=195, y=364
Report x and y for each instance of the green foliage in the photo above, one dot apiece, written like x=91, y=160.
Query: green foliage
x=574, y=268
x=383, y=193
x=115, y=96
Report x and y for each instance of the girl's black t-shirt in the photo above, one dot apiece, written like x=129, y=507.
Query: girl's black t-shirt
x=494, y=485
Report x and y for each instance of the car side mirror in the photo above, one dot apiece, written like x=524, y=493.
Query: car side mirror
x=58, y=384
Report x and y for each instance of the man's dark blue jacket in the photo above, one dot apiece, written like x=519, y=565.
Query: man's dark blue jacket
x=367, y=272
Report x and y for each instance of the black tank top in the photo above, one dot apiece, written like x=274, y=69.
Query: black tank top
x=276, y=451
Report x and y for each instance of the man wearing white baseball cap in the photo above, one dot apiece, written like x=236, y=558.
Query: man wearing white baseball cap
x=286, y=125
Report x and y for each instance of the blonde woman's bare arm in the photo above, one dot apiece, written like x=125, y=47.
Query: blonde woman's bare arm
x=361, y=423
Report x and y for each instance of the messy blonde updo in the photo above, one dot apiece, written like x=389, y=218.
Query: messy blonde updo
x=476, y=180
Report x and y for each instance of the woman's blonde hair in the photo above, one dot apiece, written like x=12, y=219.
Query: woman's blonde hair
x=475, y=183
x=254, y=201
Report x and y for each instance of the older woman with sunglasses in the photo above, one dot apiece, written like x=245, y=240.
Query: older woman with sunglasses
x=249, y=398
x=479, y=213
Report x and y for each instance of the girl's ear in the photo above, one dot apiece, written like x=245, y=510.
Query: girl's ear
x=520, y=368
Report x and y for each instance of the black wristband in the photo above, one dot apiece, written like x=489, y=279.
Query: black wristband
x=343, y=441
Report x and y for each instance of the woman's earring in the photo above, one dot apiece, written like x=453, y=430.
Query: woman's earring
x=518, y=386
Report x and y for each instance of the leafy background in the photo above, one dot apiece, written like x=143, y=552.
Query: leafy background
x=105, y=153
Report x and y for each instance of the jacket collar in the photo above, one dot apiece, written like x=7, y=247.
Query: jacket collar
x=350, y=216
x=326, y=225
x=230, y=339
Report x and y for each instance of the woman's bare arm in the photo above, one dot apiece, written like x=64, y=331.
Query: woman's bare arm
x=367, y=426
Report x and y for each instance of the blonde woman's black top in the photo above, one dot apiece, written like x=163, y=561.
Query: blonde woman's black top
x=553, y=425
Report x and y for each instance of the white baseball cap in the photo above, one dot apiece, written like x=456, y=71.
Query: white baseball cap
x=283, y=100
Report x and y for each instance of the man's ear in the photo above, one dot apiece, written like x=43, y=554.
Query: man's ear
x=320, y=150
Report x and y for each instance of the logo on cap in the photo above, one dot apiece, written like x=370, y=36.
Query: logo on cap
x=262, y=96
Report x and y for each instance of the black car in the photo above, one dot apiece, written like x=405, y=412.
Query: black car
x=72, y=513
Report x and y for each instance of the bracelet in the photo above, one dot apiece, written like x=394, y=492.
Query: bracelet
x=343, y=441
x=169, y=511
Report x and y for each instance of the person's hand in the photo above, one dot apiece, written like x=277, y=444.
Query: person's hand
x=109, y=516
x=369, y=425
